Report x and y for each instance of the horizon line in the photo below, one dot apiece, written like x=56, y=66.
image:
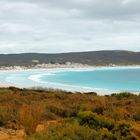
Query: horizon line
x=69, y=52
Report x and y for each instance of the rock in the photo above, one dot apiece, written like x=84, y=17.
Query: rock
x=4, y=136
x=20, y=133
x=40, y=128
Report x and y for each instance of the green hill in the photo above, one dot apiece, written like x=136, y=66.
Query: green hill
x=90, y=58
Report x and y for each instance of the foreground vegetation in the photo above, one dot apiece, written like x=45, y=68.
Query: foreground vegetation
x=70, y=116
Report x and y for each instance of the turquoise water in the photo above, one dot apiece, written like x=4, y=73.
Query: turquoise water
x=113, y=79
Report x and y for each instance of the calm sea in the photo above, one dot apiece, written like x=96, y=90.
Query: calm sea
x=111, y=79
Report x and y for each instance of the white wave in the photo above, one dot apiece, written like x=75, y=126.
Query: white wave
x=37, y=77
x=68, y=87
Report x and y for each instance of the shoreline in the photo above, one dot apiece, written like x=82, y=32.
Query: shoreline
x=21, y=68
x=67, y=87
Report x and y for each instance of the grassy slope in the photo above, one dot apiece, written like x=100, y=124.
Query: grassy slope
x=70, y=116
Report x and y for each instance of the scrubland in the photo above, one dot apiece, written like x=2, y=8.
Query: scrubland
x=60, y=115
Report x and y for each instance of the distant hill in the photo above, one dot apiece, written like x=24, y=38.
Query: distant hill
x=90, y=58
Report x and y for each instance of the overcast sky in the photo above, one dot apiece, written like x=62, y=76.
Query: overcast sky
x=52, y=26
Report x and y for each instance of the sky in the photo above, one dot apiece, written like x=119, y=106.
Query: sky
x=54, y=26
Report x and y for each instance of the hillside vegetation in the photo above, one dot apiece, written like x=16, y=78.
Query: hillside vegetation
x=60, y=115
x=90, y=58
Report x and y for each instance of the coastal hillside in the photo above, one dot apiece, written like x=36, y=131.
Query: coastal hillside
x=27, y=114
x=90, y=58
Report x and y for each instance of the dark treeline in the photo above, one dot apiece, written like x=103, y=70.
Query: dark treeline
x=90, y=58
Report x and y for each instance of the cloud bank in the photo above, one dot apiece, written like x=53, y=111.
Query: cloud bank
x=53, y=26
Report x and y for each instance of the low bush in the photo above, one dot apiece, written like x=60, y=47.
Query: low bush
x=68, y=131
x=95, y=121
x=29, y=116
x=136, y=117
x=5, y=115
x=62, y=112
x=122, y=95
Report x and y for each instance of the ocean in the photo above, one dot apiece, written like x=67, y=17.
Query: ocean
x=116, y=79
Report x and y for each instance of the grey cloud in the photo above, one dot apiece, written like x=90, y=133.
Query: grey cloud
x=69, y=25
x=98, y=8
x=91, y=8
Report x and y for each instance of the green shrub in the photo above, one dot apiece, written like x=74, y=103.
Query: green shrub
x=123, y=129
x=122, y=95
x=95, y=121
x=68, y=131
x=99, y=110
x=136, y=117
x=62, y=112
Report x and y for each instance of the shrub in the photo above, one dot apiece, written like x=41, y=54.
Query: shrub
x=68, y=131
x=123, y=128
x=5, y=115
x=95, y=121
x=122, y=95
x=29, y=117
x=62, y=112
x=136, y=117
x=91, y=93
x=107, y=135
x=99, y=110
